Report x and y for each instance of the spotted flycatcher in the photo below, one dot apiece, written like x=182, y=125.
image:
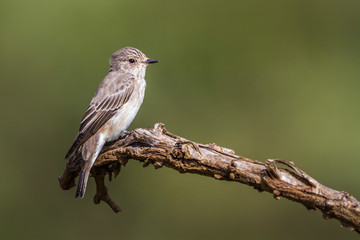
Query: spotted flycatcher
x=112, y=109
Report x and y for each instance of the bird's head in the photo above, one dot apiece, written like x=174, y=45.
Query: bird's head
x=129, y=59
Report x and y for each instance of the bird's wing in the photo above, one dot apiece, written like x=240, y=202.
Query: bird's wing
x=110, y=96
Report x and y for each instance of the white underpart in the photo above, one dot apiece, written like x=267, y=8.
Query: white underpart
x=121, y=120
x=99, y=145
x=126, y=114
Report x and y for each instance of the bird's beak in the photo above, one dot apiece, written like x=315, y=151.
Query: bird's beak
x=148, y=61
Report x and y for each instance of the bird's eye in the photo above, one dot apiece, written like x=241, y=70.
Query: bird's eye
x=131, y=60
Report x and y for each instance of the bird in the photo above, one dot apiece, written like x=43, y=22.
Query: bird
x=112, y=109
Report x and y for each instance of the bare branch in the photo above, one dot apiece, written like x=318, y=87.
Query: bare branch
x=160, y=148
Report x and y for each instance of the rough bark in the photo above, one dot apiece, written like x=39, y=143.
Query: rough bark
x=159, y=147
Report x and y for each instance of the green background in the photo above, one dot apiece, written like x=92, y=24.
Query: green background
x=269, y=79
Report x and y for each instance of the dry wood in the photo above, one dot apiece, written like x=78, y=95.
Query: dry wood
x=159, y=147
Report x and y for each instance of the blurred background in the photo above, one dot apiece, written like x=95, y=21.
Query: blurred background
x=268, y=79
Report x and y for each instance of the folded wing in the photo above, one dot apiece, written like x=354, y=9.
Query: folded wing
x=107, y=101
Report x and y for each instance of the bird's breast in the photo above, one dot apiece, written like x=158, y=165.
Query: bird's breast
x=126, y=114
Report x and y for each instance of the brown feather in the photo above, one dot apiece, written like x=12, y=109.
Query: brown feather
x=97, y=114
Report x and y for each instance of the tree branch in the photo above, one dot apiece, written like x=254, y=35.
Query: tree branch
x=160, y=148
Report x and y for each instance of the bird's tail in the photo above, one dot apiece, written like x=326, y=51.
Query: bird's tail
x=85, y=172
x=90, y=151
x=83, y=179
